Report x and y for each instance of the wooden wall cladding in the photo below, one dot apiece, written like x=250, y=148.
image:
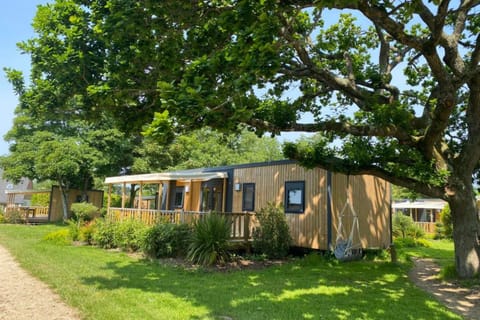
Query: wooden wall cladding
x=370, y=198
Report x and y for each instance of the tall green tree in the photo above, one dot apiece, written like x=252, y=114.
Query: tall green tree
x=59, y=133
x=393, y=87
x=44, y=156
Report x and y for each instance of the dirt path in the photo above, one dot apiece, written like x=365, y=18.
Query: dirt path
x=463, y=301
x=22, y=297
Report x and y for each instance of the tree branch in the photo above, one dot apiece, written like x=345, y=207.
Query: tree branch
x=384, y=51
x=355, y=130
x=381, y=18
x=336, y=164
x=412, y=184
x=475, y=59
x=470, y=154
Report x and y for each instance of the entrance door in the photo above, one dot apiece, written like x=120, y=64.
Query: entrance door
x=212, y=196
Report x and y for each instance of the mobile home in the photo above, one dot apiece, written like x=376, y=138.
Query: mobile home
x=314, y=200
x=53, y=212
x=424, y=212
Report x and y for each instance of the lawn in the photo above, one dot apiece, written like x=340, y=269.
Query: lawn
x=113, y=285
x=440, y=250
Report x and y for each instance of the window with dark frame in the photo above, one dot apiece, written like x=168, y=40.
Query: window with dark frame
x=294, y=196
x=179, y=195
x=248, y=197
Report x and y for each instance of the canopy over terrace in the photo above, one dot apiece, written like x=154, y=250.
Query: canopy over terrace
x=424, y=212
x=187, y=175
x=420, y=204
x=175, y=184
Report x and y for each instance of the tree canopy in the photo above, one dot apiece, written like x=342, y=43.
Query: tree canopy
x=392, y=87
x=204, y=148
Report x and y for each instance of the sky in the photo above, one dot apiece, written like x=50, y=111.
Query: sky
x=15, y=26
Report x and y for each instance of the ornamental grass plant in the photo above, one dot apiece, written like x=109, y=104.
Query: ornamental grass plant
x=209, y=242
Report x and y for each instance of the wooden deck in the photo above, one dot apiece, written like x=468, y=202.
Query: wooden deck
x=30, y=214
x=242, y=224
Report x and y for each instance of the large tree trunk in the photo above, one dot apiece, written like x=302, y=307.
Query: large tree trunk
x=465, y=232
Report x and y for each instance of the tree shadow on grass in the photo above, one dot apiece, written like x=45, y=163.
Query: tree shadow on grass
x=304, y=289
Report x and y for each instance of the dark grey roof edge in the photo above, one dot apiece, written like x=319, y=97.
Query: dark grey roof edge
x=237, y=166
x=250, y=165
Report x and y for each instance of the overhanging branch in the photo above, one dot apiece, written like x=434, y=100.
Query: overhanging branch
x=339, y=165
x=356, y=130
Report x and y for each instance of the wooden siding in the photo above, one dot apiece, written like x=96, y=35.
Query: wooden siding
x=308, y=229
x=192, y=198
x=56, y=211
x=370, y=197
x=195, y=196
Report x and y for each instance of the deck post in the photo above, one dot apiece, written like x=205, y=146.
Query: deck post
x=109, y=199
x=140, y=198
x=158, y=205
x=224, y=195
x=123, y=194
x=246, y=231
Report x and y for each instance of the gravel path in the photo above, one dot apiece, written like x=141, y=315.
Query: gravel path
x=463, y=301
x=23, y=297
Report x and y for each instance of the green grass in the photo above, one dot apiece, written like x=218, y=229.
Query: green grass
x=111, y=285
x=440, y=250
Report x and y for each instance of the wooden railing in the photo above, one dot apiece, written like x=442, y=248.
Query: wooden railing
x=242, y=223
x=29, y=212
x=428, y=227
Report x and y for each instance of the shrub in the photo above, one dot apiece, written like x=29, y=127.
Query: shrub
x=2, y=217
x=404, y=227
x=405, y=243
x=129, y=234
x=167, y=240
x=410, y=242
x=87, y=231
x=446, y=219
x=104, y=235
x=439, y=231
x=115, y=199
x=420, y=242
x=272, y=237
x=59, y=237
x=74, y=229
x=210, y=240
x=400, y=224
x=83, y=211
x=13, y=216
